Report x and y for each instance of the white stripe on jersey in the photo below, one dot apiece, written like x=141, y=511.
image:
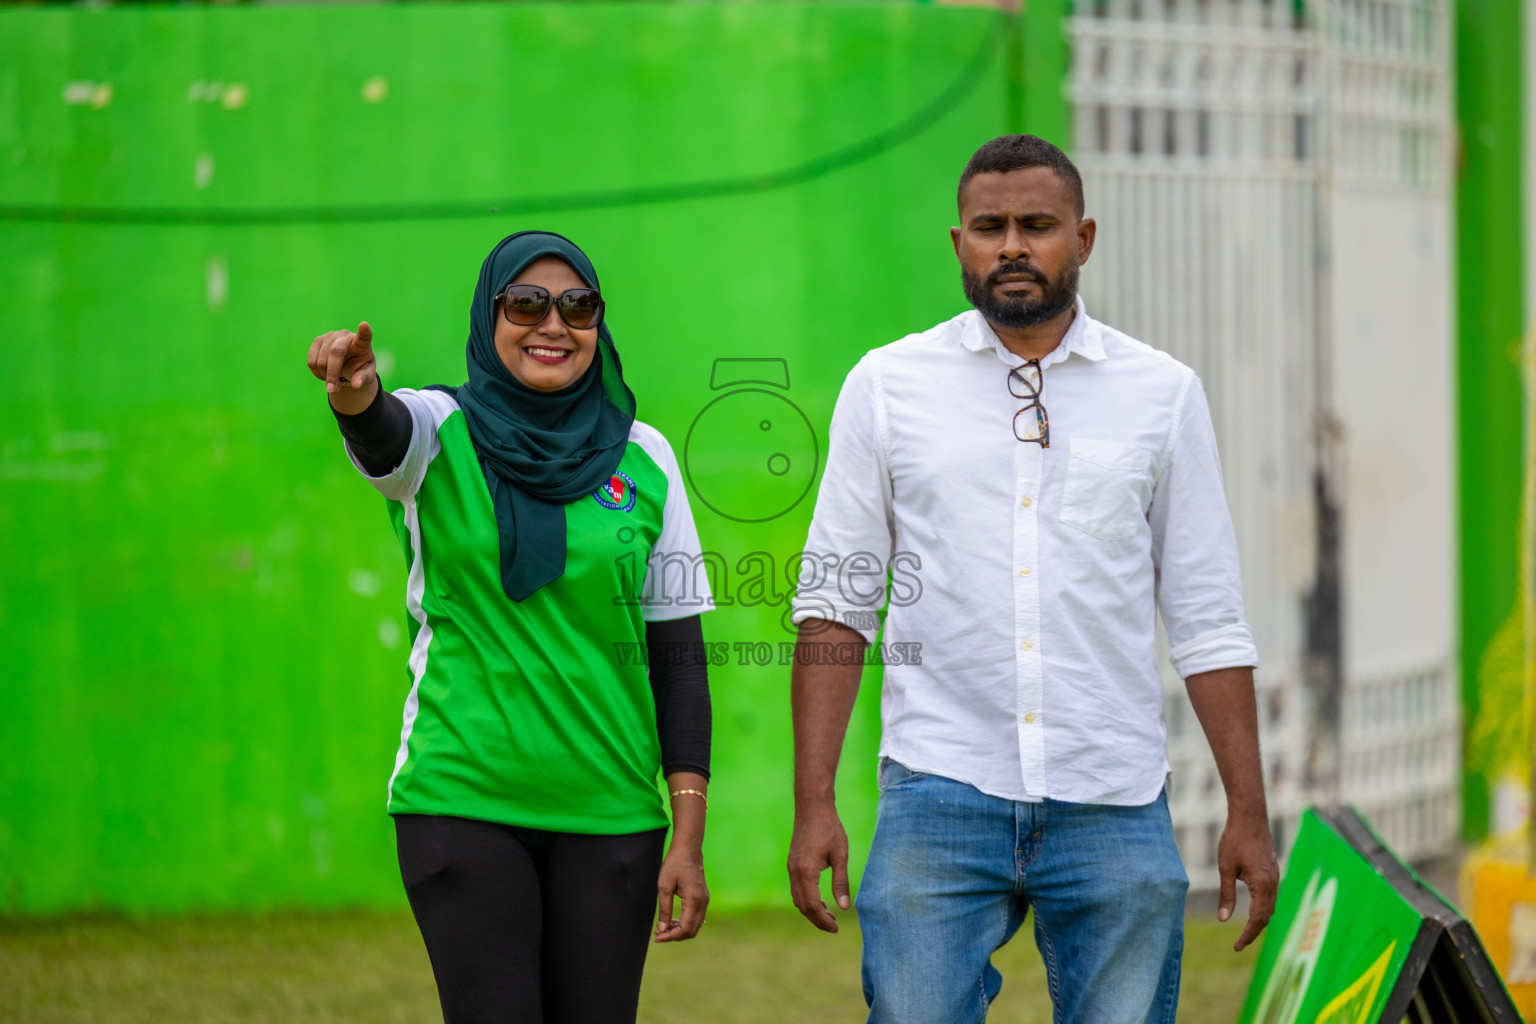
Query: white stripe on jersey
x=415, y=588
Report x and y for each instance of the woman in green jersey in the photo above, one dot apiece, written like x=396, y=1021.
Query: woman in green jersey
x=530, y=502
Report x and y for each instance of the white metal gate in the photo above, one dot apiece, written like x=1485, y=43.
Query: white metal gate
x=1222, y=142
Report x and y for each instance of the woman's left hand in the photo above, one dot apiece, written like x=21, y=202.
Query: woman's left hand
x=682, y=877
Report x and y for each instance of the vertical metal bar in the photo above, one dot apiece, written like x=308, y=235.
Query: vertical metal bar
x=1490, y=275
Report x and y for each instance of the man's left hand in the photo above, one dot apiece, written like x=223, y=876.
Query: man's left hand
x=1247, y=852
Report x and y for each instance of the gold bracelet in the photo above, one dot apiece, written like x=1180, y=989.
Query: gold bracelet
x=692, y=792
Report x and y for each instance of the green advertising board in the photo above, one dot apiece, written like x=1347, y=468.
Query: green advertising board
x=1358, y=938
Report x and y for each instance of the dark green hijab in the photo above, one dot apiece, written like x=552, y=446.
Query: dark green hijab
x=540, y=450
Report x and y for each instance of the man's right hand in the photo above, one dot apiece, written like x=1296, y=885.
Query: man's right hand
x=819, y=842
x=821, y=696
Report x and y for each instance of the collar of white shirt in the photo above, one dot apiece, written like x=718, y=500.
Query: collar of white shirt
x=1082, y=338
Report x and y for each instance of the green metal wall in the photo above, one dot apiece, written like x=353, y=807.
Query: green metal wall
x=1489, y=84
x=201, y=620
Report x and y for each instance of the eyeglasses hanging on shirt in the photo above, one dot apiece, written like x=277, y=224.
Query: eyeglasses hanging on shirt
x=1028, y=381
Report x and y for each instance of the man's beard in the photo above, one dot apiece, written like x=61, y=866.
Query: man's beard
x=1056, y=296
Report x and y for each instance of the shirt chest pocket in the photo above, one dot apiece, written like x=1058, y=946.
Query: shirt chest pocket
x=1109, y=486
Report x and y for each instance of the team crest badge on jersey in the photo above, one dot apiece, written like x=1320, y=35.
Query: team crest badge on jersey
x=618, y=492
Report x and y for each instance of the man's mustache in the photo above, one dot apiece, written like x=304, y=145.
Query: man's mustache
x=1016, y=270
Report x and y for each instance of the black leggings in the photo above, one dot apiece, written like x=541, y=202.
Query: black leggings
x=527, y=926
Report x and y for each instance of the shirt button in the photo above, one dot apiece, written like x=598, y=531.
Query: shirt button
x=1029, y=718
x=1026, y=645
x=1025, y=503
x=1023, y=572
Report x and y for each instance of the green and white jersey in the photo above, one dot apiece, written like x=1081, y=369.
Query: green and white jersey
x=535, y=713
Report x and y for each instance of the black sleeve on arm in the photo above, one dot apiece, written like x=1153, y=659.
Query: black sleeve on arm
x=380, y=434
x=680, y=683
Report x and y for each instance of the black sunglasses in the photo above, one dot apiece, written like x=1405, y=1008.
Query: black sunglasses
x=528, y=304
x=1032, y=380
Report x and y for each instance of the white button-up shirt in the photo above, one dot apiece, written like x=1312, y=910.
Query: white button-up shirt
x=1022, y=579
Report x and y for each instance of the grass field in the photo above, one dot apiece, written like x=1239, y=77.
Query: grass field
x=768, y=966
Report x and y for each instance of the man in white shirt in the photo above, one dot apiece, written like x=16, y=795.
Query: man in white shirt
x=1023, y=752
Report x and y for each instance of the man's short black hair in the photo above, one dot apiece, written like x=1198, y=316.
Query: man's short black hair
x=1013, y=152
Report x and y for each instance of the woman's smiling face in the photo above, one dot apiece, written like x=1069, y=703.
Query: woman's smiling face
x=549, y=355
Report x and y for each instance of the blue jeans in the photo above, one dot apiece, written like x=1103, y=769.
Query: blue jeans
x=953, y=872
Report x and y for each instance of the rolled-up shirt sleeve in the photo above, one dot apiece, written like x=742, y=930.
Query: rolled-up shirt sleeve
x=1194, y=550
x=842, y=574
